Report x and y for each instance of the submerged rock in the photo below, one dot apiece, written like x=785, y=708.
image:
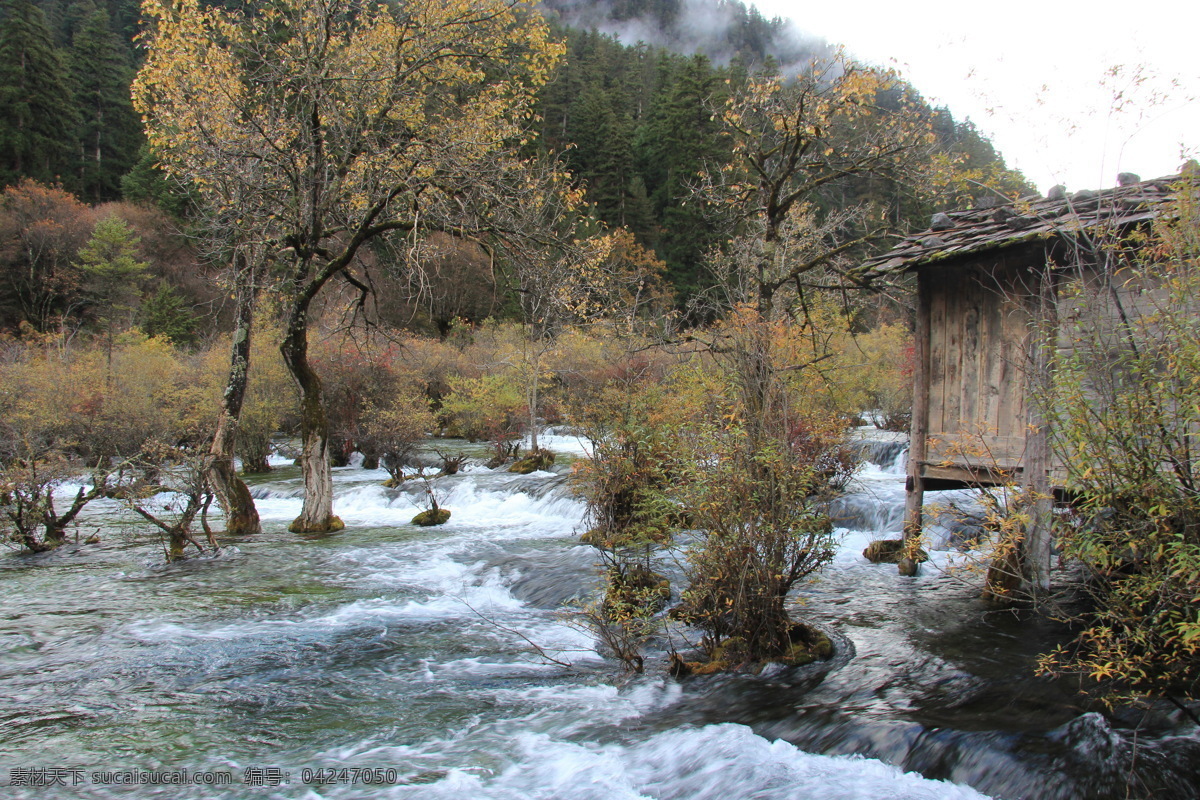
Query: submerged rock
x=1002, y=588
x=433, y=516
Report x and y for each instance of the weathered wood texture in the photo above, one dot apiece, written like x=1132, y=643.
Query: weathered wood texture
x=1037, y=467
x=981, y=270
x=978, y=342
x=919, y=437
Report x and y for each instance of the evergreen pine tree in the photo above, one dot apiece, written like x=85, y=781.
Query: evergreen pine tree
x=166, y=314
x=37, y=115
x=146, y=184
x=681, y=138
x=109, y=131
x=114, y=275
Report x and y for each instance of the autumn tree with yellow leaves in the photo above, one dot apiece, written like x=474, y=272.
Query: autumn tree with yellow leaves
x=311, y=127
x=567, y=273
x=797, y=145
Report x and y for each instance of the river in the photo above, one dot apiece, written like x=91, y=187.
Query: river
x=394, y=661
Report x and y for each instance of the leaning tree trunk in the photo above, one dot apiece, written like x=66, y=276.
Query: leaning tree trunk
x=241, y=516
x=317, y=514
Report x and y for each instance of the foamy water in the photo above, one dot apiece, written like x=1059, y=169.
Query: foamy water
x=453, y=655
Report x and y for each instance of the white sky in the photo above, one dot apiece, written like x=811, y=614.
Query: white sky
x=1032, y=75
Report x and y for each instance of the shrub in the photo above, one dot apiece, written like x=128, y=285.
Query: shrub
x=762, y=529
x=29, y=516
x=760, y=470
x=491, y=408
x=394, y=428
x=1126, y=411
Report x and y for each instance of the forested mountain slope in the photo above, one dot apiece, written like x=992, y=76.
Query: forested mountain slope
x=632, y=111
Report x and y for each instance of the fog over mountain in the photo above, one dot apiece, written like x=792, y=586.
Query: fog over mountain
x=720, y=29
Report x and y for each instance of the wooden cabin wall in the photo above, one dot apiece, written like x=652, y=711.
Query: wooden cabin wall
x=1098, y=317
x=981, y=317
x=979, y=343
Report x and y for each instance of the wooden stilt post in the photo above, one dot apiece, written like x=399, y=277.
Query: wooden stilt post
x=919, y=432
x=1037, y=546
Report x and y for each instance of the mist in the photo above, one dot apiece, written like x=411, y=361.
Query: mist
x=718, y=29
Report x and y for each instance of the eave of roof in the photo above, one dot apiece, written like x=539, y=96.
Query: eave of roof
x=977, y=230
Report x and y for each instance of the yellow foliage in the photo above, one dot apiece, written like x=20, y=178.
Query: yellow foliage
x=368, y=102
x=99, y=403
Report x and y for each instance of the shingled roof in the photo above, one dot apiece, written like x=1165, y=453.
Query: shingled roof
x=958, y=233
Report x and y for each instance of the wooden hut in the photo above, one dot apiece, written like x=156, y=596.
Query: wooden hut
x=986, y=279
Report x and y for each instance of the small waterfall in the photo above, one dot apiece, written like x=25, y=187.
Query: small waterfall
x=886, y=453
x=540, y=504
x=874, y=501
x=274, y=492
x=870, y=512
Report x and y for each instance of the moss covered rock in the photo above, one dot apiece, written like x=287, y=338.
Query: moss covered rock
x=396, y=482
x=892, y=551
x=806, y=645
x=334, y=525
x=535, y=460
x=434, y=516
x=1002, y=587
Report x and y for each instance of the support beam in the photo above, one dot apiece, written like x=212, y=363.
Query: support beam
x=1035, y=568
x=919, y=432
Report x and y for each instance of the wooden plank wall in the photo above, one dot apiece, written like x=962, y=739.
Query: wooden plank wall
x=1100, y=312
x=981, y=320
x=978, y=345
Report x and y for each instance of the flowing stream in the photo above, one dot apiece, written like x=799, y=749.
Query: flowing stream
x=395, y=661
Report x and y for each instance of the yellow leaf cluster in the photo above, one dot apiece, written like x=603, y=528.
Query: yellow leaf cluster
x=330, y=110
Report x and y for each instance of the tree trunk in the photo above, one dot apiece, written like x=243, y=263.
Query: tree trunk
x=533, y=405
x=317, y=514
x=255, y=464
x=241, y=516
x=177, y=543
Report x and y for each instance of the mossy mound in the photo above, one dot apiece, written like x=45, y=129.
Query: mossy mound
x=434, y=516
x=595, y=537
x=333, y=525
x=535, y=460
x=682, y=669
x=806, y=645
x=892, y=551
